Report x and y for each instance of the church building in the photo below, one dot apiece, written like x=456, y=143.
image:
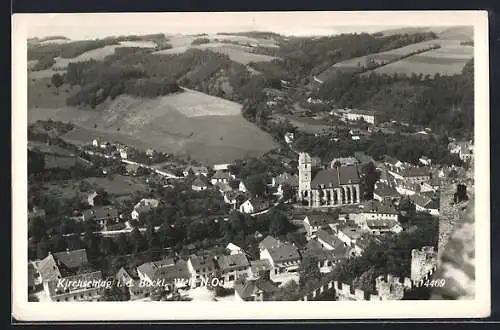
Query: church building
x=335, y=186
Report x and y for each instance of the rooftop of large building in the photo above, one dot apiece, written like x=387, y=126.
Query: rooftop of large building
x=336, y=177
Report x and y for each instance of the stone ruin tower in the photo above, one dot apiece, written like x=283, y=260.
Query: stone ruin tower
x=390, y=288
x=423, y=263
x=305, y=167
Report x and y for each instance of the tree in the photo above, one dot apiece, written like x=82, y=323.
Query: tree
x=366, y=281
x=288, y=192
x=309, y=272
x=461, y=193
x=107, y=246
x=370, y=177
x=256, y=184
x=137, y=241
x=115, y=292
x=278, y=223
x=122, y=244
x=57, y=80
x=36, y=161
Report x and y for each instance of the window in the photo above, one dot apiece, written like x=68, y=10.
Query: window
x=276, y=271
x=231, y=277
x=66, y=299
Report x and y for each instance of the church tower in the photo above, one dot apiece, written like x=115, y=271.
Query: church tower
x=305, y=163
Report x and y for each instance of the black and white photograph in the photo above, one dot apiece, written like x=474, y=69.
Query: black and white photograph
x=300, y=159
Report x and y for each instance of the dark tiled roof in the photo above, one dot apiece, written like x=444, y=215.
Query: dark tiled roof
x=362, y=112
x=72, y=259
x=416, y=172
x=231, y=262
x=202, y=262
x=339, y=249
x=374, y=206
x=250, y=287
x=31, y=274
x=381, y=223
x=284, y=253
x=48, y=268
x=164, y=270
x=221, y=175
x=315, y=249
x=334, y=177
x=123, y=276
x=269, y=242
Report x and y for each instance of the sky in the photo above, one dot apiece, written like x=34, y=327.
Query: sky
x=85, y=26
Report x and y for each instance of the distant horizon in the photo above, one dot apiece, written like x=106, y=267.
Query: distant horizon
x=307, y=24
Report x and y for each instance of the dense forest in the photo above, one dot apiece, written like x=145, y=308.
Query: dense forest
x=443, y=103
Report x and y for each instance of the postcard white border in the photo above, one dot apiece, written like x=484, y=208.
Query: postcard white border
x=92, y=311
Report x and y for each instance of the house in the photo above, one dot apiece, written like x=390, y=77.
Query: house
x=136, y=288
x=201, y=268
x=384, y=192
x=285, y=260
x=355, y=115
x=426, y=161
x=254, y=290
x=91, y=197
x=381, y=226
x=65, y=267
x=221, y=177
x=234, y=249
x=224, y=187
x=254, y=205
x=315, y=222
x=425, y=203
x=343, y=161
x=416, y=174
x=123, y=277
x=150, y=153
x=199, y=185
x=61, y=264
x=95, y=143
x=285, y=179
x=131, y=169
x=353, y=238
x=172, y=276
x=196, y=170
x=101, y=215
x=326, y=259
x=144, y=206
x=242, y=187
x=232, y=267
x=375, y=209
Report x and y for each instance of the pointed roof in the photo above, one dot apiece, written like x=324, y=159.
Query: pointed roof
x=269, y=242
x=335, y=177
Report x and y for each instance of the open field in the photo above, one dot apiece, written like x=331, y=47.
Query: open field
x=308, y=125
x=445, y=61
x=207, y=128
x=449, y=49
x=443, y=32
x=237, y=53
x=116, y=185
x=42, y=94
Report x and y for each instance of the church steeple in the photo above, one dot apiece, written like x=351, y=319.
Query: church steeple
x=305, y=164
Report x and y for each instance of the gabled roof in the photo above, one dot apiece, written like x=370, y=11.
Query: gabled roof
x=362, y=112
x=344, y=161
x=251, y=287
x=72, y=259
x=335, y=177
x=339, y=249
x=165, y=271
x=284, y=253
x=231, y=262
x=390, y=160
x=382, y=223
x=199, y=262
x=269, y=242
x=196, y=169
x=48, y=269
x=424, y=201
x=123, y=276
x=221, y=175
x=374, y=206
x=224, y=187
